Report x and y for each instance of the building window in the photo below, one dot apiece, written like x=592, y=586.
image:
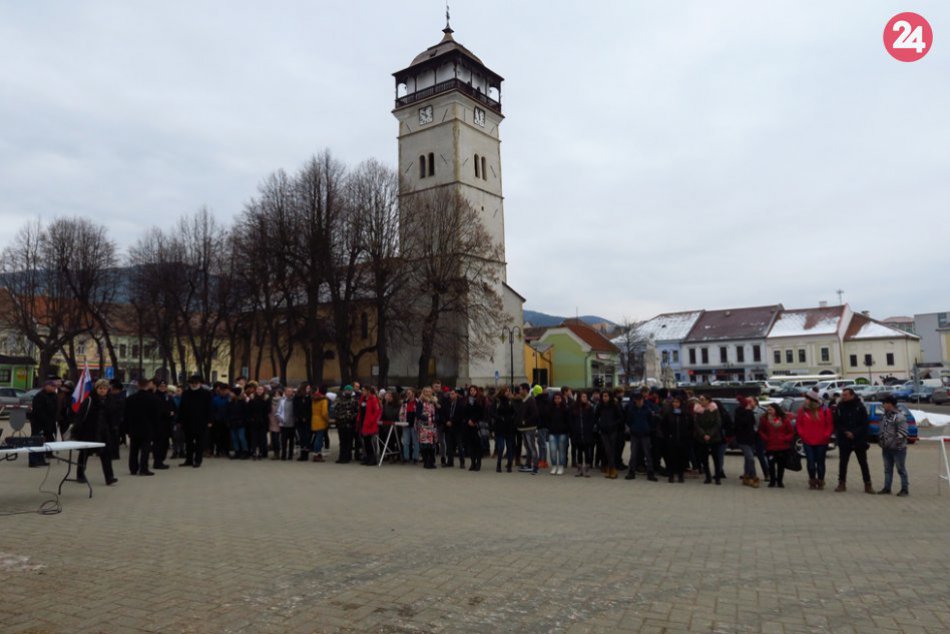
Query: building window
x=135, y=350
x=704, y=354
x=801, y=356
x=853, y=360
x=868, y=360
x=788, y=356
x=431, y=164
x=364, y=326
x=692, y=356
x=478, y=173
x=123, y=350
x=676, y=356
x=81, y=347
x=890, y=358
x=6, y=375
x=484, y=170
x=825, y=355
x=666, y=357
x=756, y=354
x=422, y=166
x=777, y=357
x=723, y=354
x=740, y=354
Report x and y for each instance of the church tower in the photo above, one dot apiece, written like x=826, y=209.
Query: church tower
x=448, y=104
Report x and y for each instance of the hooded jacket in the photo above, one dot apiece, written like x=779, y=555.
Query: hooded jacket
x=814, y=427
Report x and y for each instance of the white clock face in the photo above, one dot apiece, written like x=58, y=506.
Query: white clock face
x=425, y=115
x=480, y=117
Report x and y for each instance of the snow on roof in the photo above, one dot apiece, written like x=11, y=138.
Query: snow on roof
x=807, y=321
x=863, y=327
x=669, y=326
x=734, y=324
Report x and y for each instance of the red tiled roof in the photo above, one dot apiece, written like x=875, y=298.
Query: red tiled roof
x=588, y=335
x=734, y=323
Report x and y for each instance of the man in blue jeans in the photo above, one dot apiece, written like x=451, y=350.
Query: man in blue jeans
x=641, y=421
x=893, y=441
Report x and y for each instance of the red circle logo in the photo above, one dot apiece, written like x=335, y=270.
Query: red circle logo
x=908, y=37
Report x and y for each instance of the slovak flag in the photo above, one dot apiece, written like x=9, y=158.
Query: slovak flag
x=83, y=389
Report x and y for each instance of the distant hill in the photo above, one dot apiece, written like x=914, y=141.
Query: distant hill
x=536, y=318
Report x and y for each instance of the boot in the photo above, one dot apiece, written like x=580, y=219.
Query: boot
x=755, y=483
x=613, y=474
x=606, y=472
x=651, y=477
x=745, y=481
x=586, y=470
x=812, y=483
x=679, y=478
x=580, y=471
x=841, y=487
x=670, y=478
x=903, y=493
x=868, y=488
x=821, y=485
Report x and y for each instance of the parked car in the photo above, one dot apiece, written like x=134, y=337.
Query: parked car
x=876, y=412
x=900, y=392
x=10, y=396
x=940, y=396
x=766, y=388
x=920, y=396
x=866, y=391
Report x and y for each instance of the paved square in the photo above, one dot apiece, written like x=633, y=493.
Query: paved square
x=291, y=547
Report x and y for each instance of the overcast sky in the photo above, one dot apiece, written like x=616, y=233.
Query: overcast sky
x=656, y=156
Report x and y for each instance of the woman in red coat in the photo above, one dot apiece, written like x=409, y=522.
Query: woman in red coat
x=775, y=428
x=815, y=426
x=370, y=424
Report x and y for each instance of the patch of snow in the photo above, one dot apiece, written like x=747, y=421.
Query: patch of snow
x=874, y=330
x=795, y=324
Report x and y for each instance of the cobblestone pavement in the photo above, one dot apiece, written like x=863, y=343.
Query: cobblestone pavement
x=290, y=547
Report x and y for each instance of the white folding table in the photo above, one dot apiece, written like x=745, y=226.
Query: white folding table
x=56, y=446
x=386, y=451
x=944, y=473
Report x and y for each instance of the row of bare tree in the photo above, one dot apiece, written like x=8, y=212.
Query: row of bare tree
x=292, y=274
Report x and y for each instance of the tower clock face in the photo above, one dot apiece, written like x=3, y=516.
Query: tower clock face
x=480, y=117
x=425, y=115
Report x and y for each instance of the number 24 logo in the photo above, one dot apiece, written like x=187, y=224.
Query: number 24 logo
x=910, y=37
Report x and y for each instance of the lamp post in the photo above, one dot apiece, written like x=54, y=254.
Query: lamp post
x=509, y=331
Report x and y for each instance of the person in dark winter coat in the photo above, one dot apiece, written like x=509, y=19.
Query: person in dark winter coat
x=676, y=427
x=117, y=405
x=504, y=421
x=744, y=427
x=42, y=415
x=195, y=419
x=258, y=410
x=236, y=416
x=707, y=432
x=473, y=410
x=559, y=426
x=163, y=431
x=609, y=422
x=143, y=411
x=93, y=423
x=851, y=435
x=582, y=433
x=303, y=403
x=641, y=421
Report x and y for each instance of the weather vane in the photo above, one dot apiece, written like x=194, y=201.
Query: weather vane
x=447, y=16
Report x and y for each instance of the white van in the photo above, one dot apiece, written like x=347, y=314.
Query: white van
x=832, y=387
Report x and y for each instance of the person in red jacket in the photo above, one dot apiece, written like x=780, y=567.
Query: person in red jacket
x=775, y=428
x=815, y=426
x=369, y=426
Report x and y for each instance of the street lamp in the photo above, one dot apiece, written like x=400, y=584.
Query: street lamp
x=509, y=331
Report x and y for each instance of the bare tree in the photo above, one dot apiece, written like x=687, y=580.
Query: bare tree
x=39, y=303
x=633, y=347
x=455, y=273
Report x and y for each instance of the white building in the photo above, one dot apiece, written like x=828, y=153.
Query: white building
x=808, y=340
x=667, y=332
x=873, y=350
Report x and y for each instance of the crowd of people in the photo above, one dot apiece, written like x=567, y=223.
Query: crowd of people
x=671, y=433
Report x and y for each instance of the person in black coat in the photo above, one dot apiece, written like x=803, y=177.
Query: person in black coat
x=676, y=427
x=143, y=412
x=43, y=413
x=504, y=423
x=851, y=435
x=116, y=403
x=303, y=410
x=609, y=422
x=94, y=423
x=582, y=433
x=450, y=415
x=745, y=430
x=163, y=431
x=195, y=419
x=472, y=413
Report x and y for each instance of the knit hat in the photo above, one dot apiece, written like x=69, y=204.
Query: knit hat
x=813, y=395
x=348, y=388
x=537, y=390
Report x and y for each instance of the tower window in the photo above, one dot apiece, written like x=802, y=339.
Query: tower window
x=477, y=170
x=484, y=174
x=431, y=164
x=364, y=326
x=422, y=166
